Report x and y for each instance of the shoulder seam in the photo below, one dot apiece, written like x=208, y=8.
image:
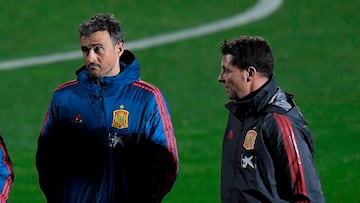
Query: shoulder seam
x=66, y=84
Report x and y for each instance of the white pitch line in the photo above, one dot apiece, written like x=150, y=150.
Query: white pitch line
x=261, y=9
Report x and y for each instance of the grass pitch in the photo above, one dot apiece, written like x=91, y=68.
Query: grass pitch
x=316, y=50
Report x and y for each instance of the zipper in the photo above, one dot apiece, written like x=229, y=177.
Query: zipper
x=102, y=103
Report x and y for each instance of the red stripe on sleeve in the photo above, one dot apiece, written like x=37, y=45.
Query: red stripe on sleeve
x=67, y=84
x=164, y=114
x=293, y=155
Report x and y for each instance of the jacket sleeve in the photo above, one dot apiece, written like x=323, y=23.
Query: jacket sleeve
x=296, y=175
x=47, y=161
x=165, y=158
x=6, y=172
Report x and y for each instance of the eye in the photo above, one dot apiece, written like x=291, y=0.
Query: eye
x=98, y=50
x=85, y=50
x=226, y=70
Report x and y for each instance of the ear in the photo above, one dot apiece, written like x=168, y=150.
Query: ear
x=119, y=48
x=251, y=72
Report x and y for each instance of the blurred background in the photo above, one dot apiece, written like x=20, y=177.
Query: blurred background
x=315, y=44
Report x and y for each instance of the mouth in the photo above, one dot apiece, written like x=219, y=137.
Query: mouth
x=93, y=66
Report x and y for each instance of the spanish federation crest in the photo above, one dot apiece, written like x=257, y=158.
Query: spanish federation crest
x=250, y=139
x=120, y=118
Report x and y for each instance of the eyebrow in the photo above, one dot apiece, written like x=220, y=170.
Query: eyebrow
x=92, y=45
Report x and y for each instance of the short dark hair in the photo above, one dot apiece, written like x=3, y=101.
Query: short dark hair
x=250, y=51
x=101, y=22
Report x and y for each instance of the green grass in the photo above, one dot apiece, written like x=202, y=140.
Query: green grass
x=316, y=50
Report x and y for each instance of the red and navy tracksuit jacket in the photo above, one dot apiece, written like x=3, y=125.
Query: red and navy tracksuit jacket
x=108, y=142
x=268, y=153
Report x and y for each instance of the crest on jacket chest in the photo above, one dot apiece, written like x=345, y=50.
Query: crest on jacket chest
x=120, y=118
x=250, y=139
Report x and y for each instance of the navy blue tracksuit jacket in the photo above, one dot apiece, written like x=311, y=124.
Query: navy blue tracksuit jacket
x=108, y=142
x=268, y=151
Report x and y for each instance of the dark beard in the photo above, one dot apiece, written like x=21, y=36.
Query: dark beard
x=94, y=74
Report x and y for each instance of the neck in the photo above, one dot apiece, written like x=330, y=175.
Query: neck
x=258, y=83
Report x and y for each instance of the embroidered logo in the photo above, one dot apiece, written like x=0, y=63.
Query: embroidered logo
x=120, y=118
x=77, y=119
x=247, y=161
x=114, y=140
x=250, y=139
x=230, y=135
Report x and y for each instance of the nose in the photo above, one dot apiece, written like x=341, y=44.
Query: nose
x=91, y=56
x=221, y=78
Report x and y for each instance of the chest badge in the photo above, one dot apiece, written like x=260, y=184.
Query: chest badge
x=120, y=118
x=250, y=139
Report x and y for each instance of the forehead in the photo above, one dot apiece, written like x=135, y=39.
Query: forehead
x=99, y=37
x=226, y=60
